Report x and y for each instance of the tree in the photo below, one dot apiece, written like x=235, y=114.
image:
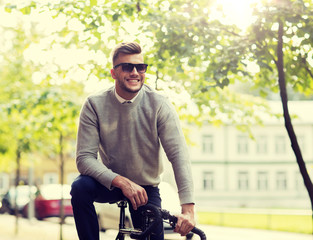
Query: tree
x=15, y=103
x=58, y=129
x=293, y=46
x=37, y=114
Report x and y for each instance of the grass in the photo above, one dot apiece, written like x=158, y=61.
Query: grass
x=289, y=223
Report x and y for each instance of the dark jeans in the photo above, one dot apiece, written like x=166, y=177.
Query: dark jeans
x=86, y=190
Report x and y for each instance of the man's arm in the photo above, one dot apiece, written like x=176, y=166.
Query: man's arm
x=135, y=193
x=88, y=140
x=174, y=144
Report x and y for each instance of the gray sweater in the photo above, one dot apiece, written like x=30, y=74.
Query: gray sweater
x=128, y=138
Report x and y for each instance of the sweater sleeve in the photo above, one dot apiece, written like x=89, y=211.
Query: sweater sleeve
x=88, y=147
x=175, y=147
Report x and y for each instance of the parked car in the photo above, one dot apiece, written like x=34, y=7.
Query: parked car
x=48, y=201
x=24, y=192
x=109, y=214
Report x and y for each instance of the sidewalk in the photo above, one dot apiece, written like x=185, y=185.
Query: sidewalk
x=50, y=230
x=33, y=230
x=227, y=233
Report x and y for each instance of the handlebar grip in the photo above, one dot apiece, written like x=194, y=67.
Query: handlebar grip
x=199, y=232
x=173, y=220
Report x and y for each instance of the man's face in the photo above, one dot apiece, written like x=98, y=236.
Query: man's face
x=127, y=84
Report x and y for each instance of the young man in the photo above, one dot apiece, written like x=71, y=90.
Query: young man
x=125, y=125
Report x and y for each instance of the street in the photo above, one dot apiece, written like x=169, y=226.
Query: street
x=50, y=230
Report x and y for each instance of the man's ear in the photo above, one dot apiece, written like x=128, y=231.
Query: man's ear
x=113, y=73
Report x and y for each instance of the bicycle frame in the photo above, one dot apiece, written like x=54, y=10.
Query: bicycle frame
x=122, y=205
x=150, y=212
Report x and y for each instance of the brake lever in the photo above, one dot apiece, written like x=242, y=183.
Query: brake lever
x=167, y=216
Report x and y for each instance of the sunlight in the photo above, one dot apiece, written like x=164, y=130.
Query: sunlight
x=237, y=12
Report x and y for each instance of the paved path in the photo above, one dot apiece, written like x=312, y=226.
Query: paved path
x=222, y=233
x=50, y=230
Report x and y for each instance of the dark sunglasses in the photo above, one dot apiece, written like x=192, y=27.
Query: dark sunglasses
x=128, y=67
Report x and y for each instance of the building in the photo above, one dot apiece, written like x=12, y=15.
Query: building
x=232, y=170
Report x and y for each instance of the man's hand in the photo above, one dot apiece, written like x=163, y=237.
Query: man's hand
x=185, y=220
x=135, y=193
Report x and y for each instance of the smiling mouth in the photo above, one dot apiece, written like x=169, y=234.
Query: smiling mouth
x=133, y=80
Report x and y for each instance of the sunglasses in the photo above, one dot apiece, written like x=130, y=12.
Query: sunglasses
x=128, y=67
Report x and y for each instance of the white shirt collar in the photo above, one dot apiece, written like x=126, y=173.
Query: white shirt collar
x=122, y=100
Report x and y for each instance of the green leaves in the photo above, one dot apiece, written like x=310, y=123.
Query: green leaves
x=183, y=45
x=93, y=3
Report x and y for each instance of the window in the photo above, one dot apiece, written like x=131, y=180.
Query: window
x=242, y=144
x=262, y=178
x=261, y=144
x=208, y=181
x=50, y=178
x=280, y=145
x=243, y=181
x=299, y=183
x=281, y=181
x=207, y=144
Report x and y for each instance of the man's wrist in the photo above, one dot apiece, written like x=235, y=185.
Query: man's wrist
x=118, y=181
x=188, y=208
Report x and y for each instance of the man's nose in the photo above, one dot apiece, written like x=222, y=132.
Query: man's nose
x=134, y=71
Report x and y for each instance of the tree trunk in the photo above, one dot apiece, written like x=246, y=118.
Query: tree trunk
x=288, y=125
x=62, y=182
x=17, y=181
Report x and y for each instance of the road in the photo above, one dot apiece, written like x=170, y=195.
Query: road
x=50, y=230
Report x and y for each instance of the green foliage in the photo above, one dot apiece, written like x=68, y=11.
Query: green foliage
x=297, y=17
x=187, y=51
x=58, y=110
x=32, y=113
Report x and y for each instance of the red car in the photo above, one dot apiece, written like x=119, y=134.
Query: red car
x=48, y=201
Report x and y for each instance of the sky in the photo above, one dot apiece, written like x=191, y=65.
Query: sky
x=238, y=12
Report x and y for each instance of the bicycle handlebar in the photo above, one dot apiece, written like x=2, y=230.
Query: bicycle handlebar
x=173, y=220
x=160, y=214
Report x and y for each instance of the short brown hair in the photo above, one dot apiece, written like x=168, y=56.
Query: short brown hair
x=126, y=48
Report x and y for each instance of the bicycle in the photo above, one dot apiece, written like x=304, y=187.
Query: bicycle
x=152, y=217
